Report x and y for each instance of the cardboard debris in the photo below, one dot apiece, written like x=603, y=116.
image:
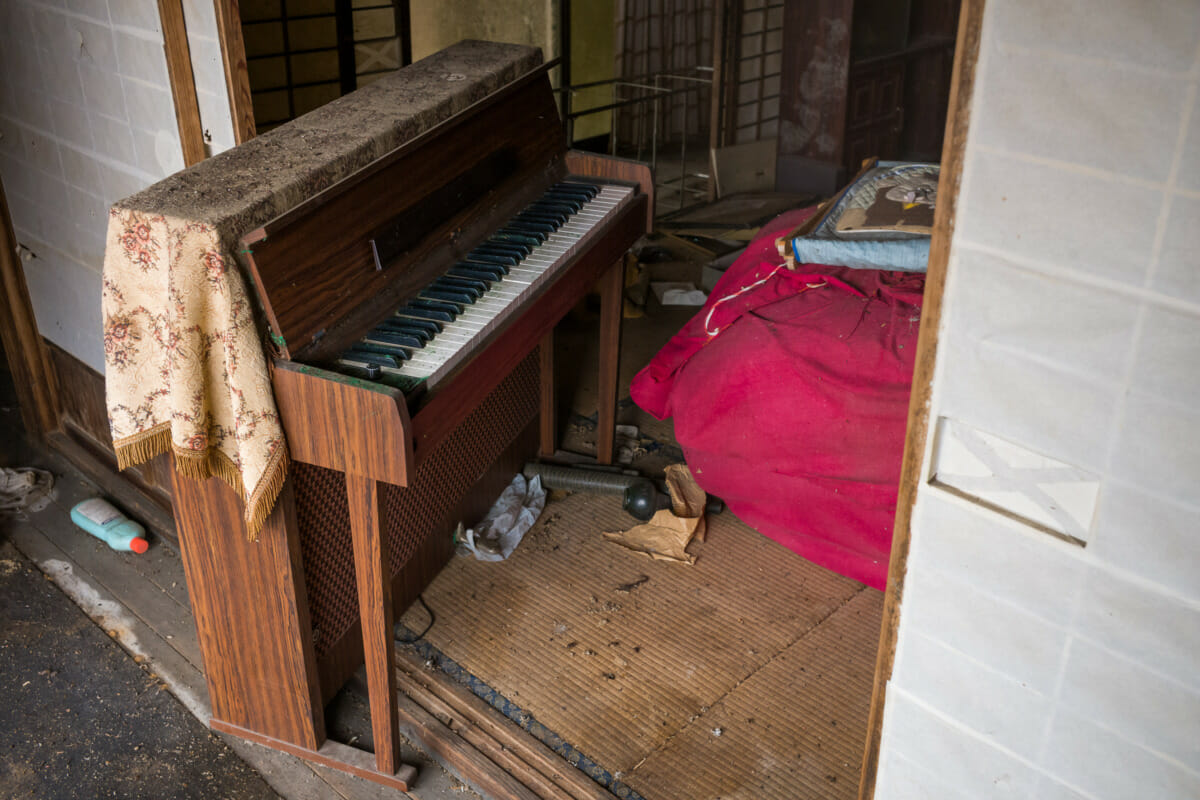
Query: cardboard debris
x=666, y=536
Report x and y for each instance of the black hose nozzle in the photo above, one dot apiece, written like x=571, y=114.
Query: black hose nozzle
x=639, y=495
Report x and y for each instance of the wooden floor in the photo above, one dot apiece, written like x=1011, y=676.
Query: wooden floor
x=745, y=675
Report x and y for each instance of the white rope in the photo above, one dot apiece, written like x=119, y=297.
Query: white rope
x=743, y=290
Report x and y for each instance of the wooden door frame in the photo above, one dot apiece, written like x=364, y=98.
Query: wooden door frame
x=183, y=82
x=962, y=86
x=237, y=74
x=23, y=348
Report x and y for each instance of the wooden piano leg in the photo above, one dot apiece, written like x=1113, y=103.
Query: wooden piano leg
x=375, y=610
x=612, y=291
x=251, y=612
x=548, y=427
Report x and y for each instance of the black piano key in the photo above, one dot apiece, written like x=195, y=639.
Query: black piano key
x=546, y=210
x=500, y=250
x=543, y=213
x=421, y=312
x=403, y=326
x=566, y=202
x=565, y=190
x=491, y=260
x=382, y=352
x=574, y=194
x=457, y=284
x=370, y=358
x=532, y=226
x=508, y=257
x=381, y=345
x=431, y=326
x=366, y=372
x=507, y=245
x=435, y=306
x=395, y=336
x=477, y=272
x=570, y=203
x=524, y=237
x=497, y=271
x=446, y=296
x=589, y=190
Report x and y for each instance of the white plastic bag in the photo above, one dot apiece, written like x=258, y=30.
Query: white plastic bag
x=506, y=522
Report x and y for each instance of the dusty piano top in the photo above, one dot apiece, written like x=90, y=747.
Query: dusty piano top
x=184, y=362
x=242, y=188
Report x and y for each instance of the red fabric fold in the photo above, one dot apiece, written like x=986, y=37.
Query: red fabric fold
x=795, y=412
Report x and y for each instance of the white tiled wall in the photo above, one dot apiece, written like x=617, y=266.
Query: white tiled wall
x=1028, y=667
x=86, y=118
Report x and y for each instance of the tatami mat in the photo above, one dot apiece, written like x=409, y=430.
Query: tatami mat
x=794, y=729
x=629, y=659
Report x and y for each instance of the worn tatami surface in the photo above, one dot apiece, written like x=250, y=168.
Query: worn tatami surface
x=745, y=675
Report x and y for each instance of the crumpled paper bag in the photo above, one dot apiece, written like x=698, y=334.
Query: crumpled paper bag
x=505, y=524
x=666, y=536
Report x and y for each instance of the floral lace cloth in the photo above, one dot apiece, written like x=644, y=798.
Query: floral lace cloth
x=185, y=368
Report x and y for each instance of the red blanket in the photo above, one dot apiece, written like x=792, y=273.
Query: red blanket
x=794, y=410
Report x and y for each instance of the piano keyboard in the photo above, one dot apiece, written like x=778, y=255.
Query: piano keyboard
x=436, y=330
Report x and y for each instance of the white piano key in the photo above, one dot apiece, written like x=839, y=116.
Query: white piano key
x=504, y=297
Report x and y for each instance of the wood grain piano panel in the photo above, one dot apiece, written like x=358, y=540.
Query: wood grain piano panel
x=344, y=424
x=456, y=483
x=376, y=615
x=314, y=267
x=251, y=613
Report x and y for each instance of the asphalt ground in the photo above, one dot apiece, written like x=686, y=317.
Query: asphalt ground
x=79, y=718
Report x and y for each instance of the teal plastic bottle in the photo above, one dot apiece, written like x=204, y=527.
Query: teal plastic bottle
x=99, y=518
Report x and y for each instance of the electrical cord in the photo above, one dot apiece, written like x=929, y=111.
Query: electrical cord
x=413, y=640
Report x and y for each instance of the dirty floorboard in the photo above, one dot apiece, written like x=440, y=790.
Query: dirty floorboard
x=746, y=675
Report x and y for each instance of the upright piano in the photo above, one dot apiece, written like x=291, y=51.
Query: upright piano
x=410, y=310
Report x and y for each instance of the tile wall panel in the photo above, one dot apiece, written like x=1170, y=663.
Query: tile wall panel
x=1070, y=327
x=86, y=104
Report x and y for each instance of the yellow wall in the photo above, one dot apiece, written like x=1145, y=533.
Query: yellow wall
x=436, y=25
x=593, y=58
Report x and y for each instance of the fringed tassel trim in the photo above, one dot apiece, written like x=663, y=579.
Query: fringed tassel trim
x=202, y=465
x=262, y=500
x=142, y=447
x=195, y=465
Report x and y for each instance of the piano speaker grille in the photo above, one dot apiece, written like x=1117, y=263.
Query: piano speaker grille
x=323, y=522
x=411, y=515
x=446, y=476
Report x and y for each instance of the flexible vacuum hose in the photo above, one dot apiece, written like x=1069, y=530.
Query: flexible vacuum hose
x=640, y=497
